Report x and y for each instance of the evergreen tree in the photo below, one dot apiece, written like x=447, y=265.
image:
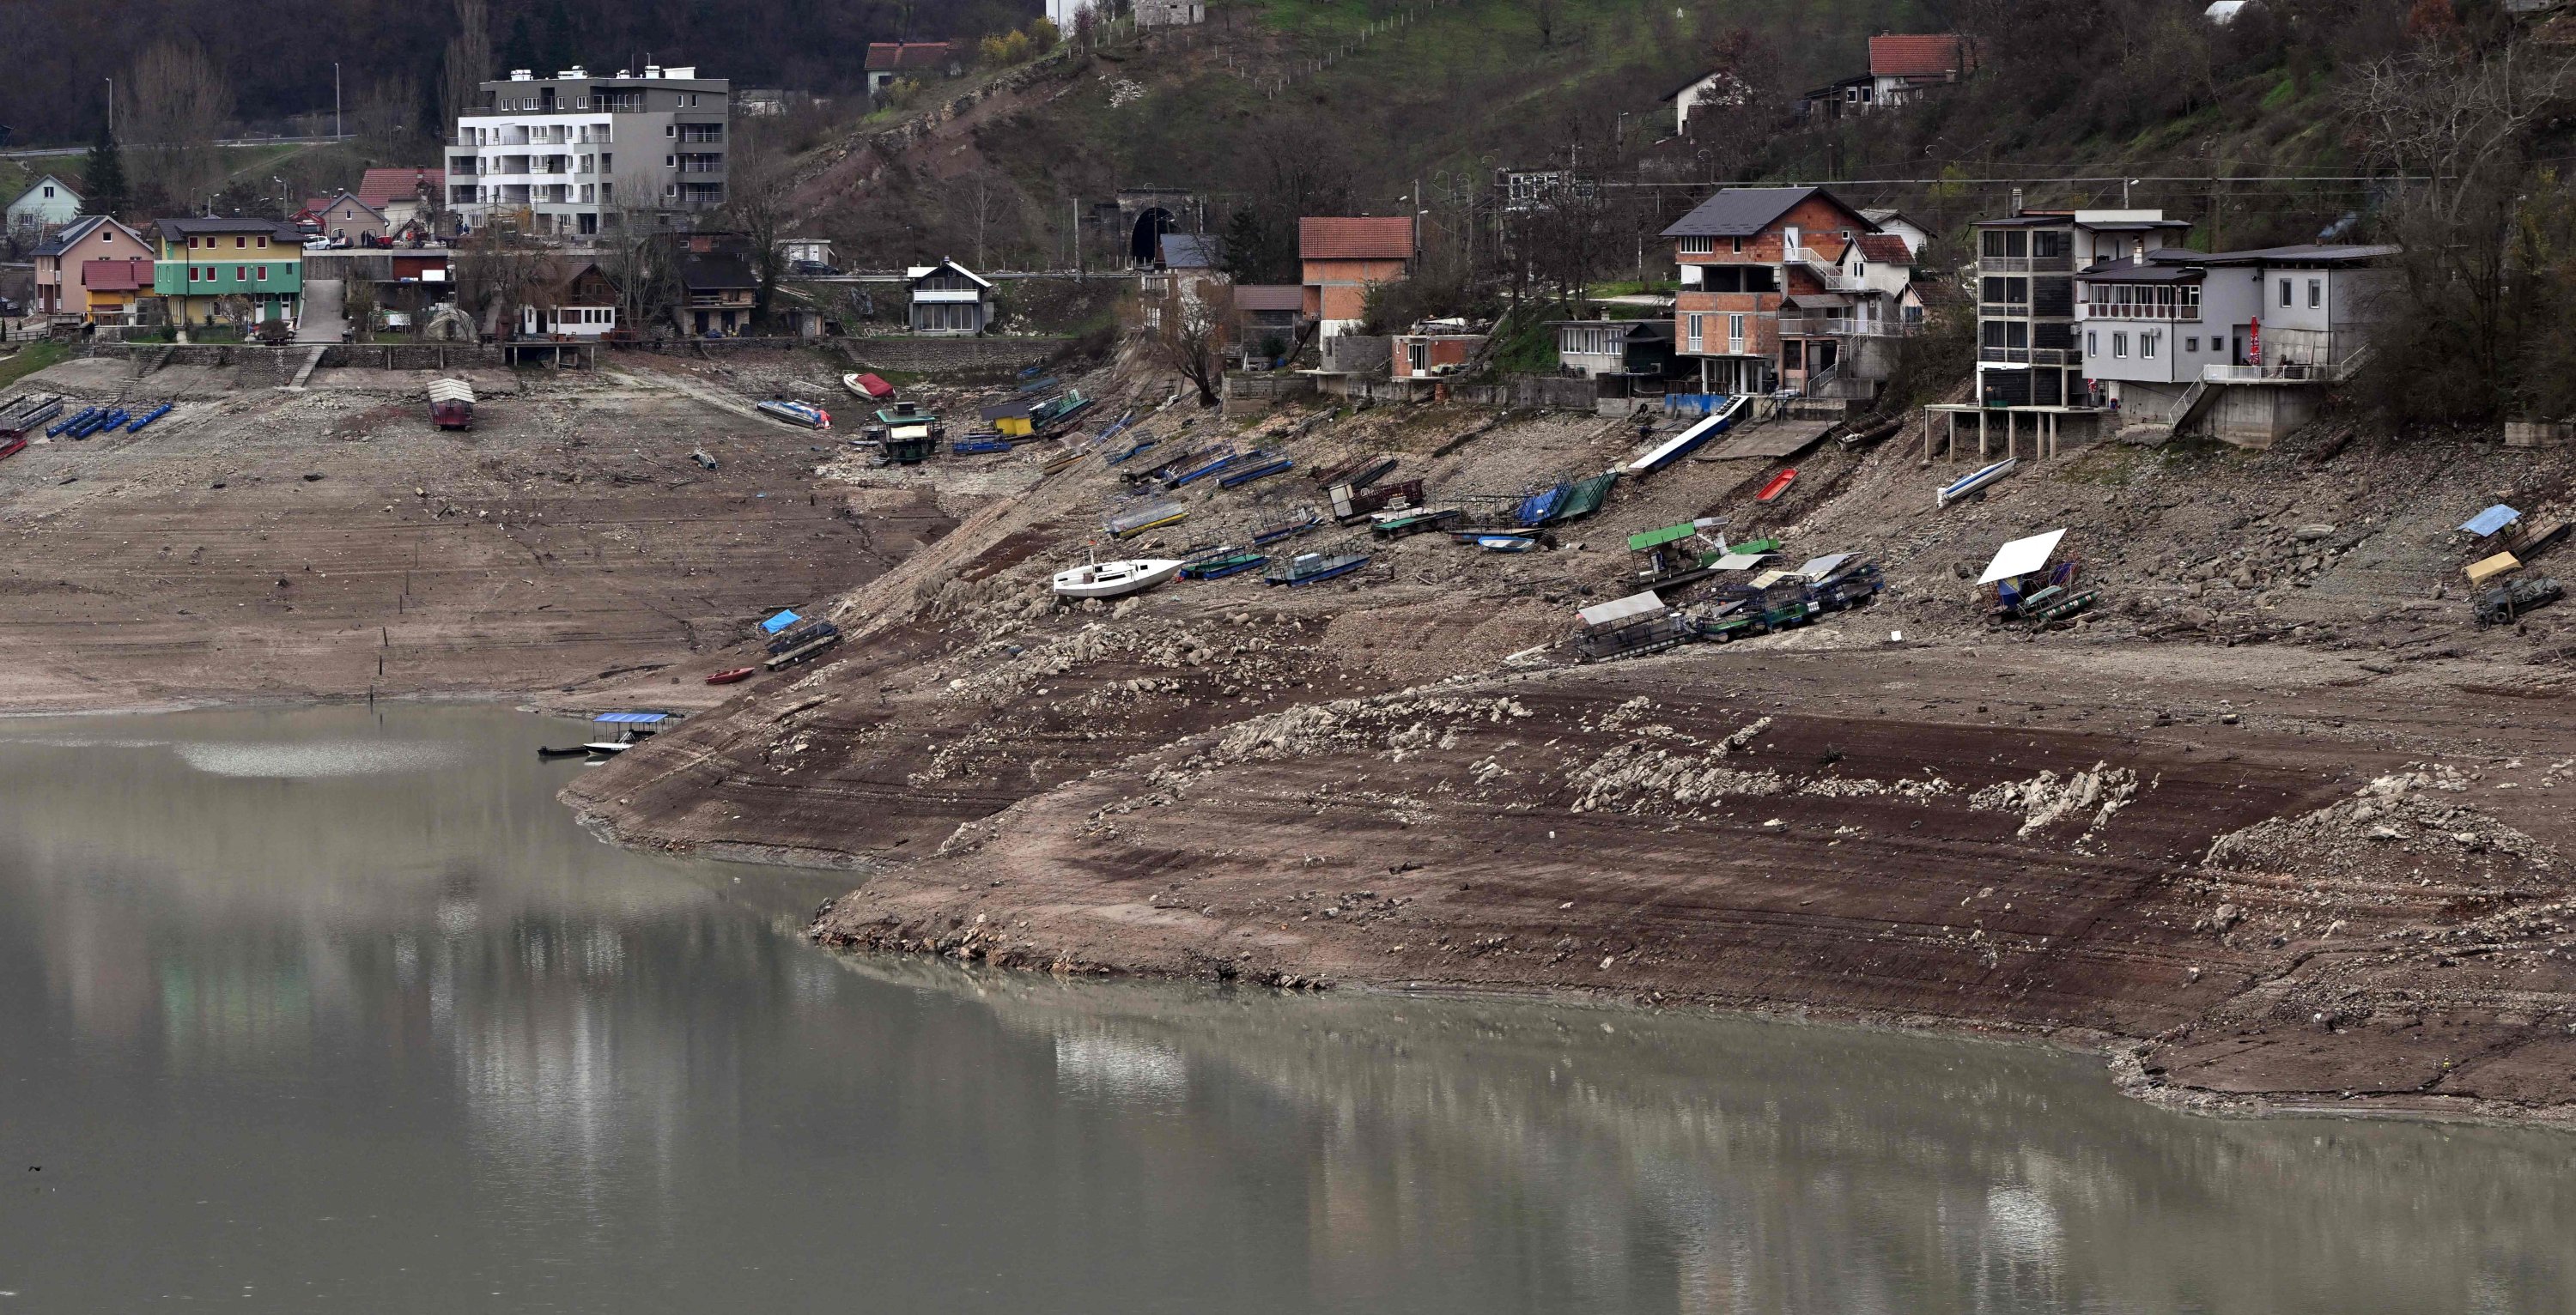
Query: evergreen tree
x=107, y=192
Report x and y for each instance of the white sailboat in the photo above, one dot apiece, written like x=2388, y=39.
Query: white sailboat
x=1111, y=579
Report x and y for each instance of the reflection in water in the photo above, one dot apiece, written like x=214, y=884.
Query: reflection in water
x=341, y=1008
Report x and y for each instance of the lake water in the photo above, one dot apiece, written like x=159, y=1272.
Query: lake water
x=338, y=1010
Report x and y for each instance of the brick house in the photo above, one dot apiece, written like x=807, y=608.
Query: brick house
x=1342, y=256
x=1744, y=253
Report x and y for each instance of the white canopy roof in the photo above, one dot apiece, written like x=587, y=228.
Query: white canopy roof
x=1741, y=561
x=2021, y=556
x=1621, y=609
x=1818, y=568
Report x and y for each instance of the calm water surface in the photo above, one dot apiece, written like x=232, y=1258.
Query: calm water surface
x=338, y=1010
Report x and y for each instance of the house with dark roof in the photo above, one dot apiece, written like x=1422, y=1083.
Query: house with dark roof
x=1188, y=277
x=2027, y=352
x=1343, y=256
x=719, y=291
x=243, y=271
x=948, y=298
x=917, y=61
x=1775, y=286
x=87, y=268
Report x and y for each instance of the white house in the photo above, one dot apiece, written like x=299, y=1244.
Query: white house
x=806, y=250
x=2162, y=329
x=949, y=298
x=1716, y=89
x=47, y=204
x=1892, y=220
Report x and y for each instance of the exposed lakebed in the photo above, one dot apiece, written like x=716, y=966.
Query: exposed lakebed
x=339, y=1009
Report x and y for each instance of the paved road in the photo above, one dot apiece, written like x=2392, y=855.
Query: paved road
x=322, y=320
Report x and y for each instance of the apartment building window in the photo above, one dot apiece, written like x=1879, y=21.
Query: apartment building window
x=1697, y=328
x=1735, y=331
x=1739, y=246
x=2119, y=345
x=2285, y=292
x=2191, y=345
x=263, y=243
x=1699, y=246
x=263, y=273
x=2092, y=342
x=2316, y=293
x=2147, y=345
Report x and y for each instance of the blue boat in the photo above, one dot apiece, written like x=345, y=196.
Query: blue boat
x=1497, y=541
x=1117, y=458
x=1257, y=465
x=1721, y=418
x=1973, y=481
x=1304, y=520
x=1219, y=567
x=1539, y=507
x=978, y=445
x=62, y=427
x=147, y=418
x=1201, y=469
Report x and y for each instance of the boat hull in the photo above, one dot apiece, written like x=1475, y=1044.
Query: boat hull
x=1114, y=579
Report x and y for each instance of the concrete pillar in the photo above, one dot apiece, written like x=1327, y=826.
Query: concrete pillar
x=2012, y=433
x=1981, y=434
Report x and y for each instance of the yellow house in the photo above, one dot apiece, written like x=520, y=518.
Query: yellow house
x=245, y=271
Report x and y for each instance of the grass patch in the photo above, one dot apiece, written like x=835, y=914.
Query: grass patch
x=31, y=358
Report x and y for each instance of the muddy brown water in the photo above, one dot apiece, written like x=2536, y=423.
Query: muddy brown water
x=337, y=1009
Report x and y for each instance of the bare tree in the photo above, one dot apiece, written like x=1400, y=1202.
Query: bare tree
x=178, y=109
x=1192, y=332
x=498, y=272
x=757, y=205
x=644, y=262
x=469, y=61
x=385, y=116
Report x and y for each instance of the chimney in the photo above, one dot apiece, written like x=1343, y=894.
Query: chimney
x=2016, y=202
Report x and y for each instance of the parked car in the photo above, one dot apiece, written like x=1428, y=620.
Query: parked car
x=814, y=269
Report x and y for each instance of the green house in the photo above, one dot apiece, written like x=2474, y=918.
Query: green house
x=245, y=271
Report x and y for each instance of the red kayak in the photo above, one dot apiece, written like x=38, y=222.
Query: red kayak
x=10, y=446
x=729, y=677
x=1779, y=484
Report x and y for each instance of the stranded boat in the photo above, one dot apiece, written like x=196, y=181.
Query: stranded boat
x=451, y=404
x=1111, y=579
x=733, y=676
x=795, y=413
x=1314, y=568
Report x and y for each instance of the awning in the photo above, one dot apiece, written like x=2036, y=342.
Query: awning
x=2021, y=557
x=632, y=718
x=1622, y=609
x=780, y=622
x=2491, y=520
x=1742, y=561
x=1818, y=568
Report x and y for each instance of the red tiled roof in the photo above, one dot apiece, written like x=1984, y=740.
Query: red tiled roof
x=1885, y=249
x=1387, y=238
x=1914, y=56
x=116, y=275
x=380, y=186
x=1269, y=297
x=884, y=56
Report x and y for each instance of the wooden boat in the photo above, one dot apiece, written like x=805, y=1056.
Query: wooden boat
x=1313, y=568
x=868, y=386
x=1113, y=579
x=732, y=676
x=1304, y=520
x=795, y=413
x=1779, y=484
x=576, y=751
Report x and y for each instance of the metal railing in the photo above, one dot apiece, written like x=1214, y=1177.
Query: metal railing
x=2105, y=310
x=2025, y=264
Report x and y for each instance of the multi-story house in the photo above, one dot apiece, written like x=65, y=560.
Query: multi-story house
x=577, y=154
x=247, y=271
x=1754, y=258
x=95, y=268
x=1343, y=256
x=2243, y=341
x=2027, y=352
x=46, y=205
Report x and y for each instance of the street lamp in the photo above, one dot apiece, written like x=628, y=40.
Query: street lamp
x=111, y=108
x=336, y=130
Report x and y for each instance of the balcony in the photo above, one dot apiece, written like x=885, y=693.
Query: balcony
x=1840, y=326
x=2026, y=264
x=2138, y=311
x=2009, y=310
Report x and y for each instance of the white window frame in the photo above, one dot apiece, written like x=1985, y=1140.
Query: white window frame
x=1699, y=246
x=2285, y=293
x=2092, y=342
x=1735, y=331
x=2147, y=346
x=2316, y=294
x=2119, y=346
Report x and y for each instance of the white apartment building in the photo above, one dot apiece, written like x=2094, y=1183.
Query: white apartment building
x=2154, y=325
x=575, y=153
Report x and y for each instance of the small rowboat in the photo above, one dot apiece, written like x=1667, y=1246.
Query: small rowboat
x=730, y=677
x=609, y=746
x=9, y=446
x=1499, y=542
x=1973, y=481
x=1779, y=484
x=1313, y=568
x=576, y=751
x=1217, y=568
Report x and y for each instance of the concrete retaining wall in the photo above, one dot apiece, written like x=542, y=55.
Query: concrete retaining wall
x=933, y=355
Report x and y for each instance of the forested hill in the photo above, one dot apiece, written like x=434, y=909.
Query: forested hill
x=278, y=55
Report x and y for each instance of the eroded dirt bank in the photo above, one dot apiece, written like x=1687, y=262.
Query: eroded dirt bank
x=265, y=543
x=2275, y=816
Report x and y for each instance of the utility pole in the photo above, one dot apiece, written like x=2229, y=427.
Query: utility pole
x=111, y=108
x=335, y=99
